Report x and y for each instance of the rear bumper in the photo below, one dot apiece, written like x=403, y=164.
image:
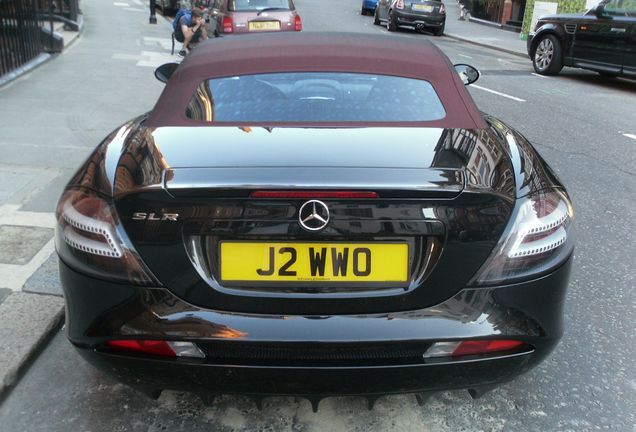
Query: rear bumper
x=150, y=376
x=410, y=19
x=98, y=311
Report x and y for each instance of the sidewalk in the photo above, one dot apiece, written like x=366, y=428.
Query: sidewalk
x=482, y=35
x=51, y=119
x=31, y=303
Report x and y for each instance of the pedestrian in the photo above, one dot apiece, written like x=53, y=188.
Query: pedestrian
x=190, y=30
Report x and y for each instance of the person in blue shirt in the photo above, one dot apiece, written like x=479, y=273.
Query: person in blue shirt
x=190, y=30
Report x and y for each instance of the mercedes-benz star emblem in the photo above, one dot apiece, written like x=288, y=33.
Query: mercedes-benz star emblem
x=313, y=215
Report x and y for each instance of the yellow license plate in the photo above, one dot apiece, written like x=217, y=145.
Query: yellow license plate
x=314, y=262
x=264, y=25
x=421, y=7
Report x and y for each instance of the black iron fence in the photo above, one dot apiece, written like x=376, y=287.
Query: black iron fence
x=27, y=30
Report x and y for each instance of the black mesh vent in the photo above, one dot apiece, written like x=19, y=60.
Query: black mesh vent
x=302, y=354
x=570, y=28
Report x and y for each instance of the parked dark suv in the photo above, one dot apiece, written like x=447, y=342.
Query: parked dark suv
x=602, y=40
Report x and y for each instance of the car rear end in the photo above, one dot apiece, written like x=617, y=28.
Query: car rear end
x=421, y=14
x=202, y=283
x=257, y=16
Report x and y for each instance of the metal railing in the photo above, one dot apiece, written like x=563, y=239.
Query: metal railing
x=19, y=33
x=26, y=30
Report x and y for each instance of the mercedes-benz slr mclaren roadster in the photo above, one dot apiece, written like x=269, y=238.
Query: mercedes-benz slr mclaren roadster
x=314, y=215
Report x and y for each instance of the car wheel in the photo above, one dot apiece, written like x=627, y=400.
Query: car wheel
x=391, y=22
x=363, y=11
x=547, y=58
x=376, y=17
x=439, y=31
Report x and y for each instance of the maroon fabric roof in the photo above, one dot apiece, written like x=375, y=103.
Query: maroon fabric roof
x=318, y=52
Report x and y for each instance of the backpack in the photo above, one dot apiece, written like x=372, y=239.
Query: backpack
x=181, y=13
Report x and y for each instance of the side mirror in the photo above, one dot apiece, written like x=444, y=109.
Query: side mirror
x=165, y=71
x=467, y=73
x=600, y=11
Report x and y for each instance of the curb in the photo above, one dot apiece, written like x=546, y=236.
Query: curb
x=30, y=321
x=485, y=45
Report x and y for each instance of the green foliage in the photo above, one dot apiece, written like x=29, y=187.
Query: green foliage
x=571, y=6
x=565, y=6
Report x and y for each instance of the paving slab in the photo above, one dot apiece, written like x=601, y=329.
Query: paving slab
x=46, y=279
x=28, y=320
x=20, y=244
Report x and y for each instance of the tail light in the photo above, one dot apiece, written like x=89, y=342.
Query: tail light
x=156, y=348
x=399, y=4
x=442, y=9
x=538, y=239
x=472, y=347
x=298, y=23
x=227, y=24
x=313, y=194
x=90, y=239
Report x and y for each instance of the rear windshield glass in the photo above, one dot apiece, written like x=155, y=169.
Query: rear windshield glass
x=258, y=5
x=315, y=97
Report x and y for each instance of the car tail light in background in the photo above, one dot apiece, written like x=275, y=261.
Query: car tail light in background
x=90, y=240
x=227, y=24
x=156, y=347
x=537, y=240
x=298, y=23
x=399, y=4
x=442, y=9
x=472, y=347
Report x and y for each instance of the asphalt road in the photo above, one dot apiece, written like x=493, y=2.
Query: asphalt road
x=581, y=125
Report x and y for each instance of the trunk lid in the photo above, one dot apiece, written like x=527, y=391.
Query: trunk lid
x=442, y=193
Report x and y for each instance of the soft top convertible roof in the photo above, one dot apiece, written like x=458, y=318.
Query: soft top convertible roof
x=318, y=52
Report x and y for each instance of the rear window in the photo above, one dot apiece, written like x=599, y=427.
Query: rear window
x=258, y=5
x=315, y=97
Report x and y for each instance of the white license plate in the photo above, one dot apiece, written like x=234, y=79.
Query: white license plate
x=422, y=7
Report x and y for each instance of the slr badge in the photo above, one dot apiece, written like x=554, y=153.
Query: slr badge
x=155, y=216
x=313, y=215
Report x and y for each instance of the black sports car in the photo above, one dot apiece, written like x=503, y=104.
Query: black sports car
x=296, y=217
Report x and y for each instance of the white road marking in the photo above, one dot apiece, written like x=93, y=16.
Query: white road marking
x=514, y=98
x=121, y=4
x=147, y=58
x=134, y=57
x=9, y=215
x=155, y=59
x=464, y=55
x=632, y=136
x=164, y=43
x=539, y=75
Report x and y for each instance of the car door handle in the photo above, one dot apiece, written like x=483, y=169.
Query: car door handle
x=618, y=30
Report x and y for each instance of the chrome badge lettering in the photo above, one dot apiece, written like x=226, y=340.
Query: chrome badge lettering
x=155, y=216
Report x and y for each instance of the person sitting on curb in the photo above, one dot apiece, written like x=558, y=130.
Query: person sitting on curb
x=190, y=30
